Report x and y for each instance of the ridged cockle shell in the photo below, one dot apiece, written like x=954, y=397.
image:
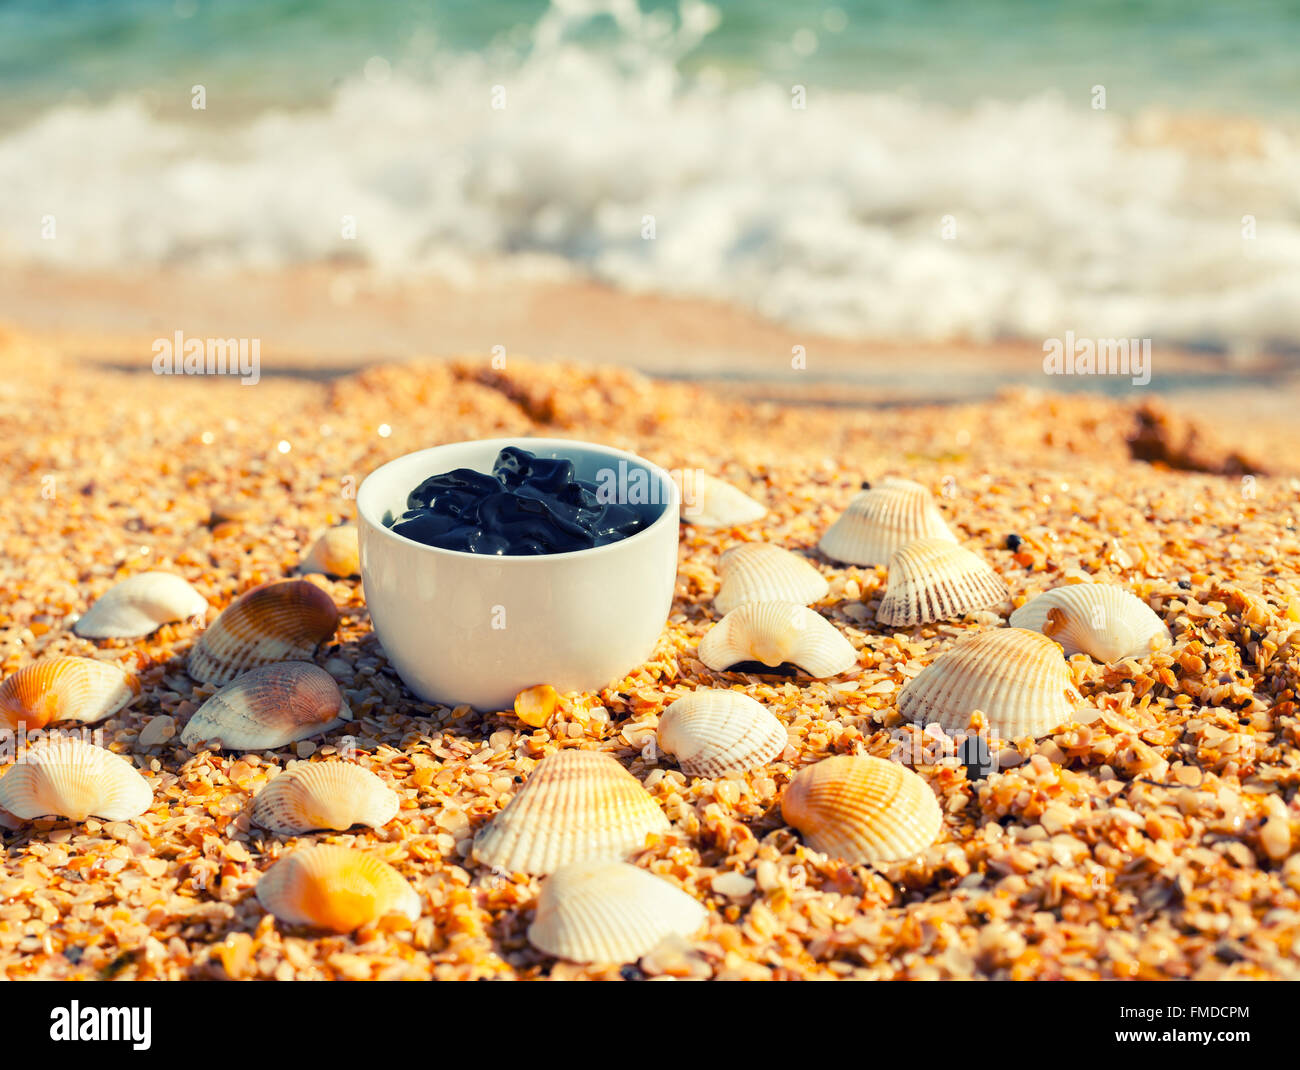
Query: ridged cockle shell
x=335, y=888
x=609, y=912
x=1016, y=678
x=281, y=621
x=64, y=689
x=862, y=809
x=935, y=579
x=881, y=520
x=575, y=806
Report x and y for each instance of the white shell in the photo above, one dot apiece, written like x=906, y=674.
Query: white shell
x=1101, y=620
x=334, y=553
x=934, y=579
x=881, y=520
x=1016, y=678
x=610, y=912
x=68, y=777
x=709, y=502
x=575, y=806
x=139, y=605
x=760, y=572
x=324, y=795
x=776, y=633
x=713, y=732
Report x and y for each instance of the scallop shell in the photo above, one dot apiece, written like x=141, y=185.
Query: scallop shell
x=64, y=689
x=862, y=809
x=140, y=604
x=711, y=733
x=335, y=888
x=1017, y=678
x=575, y=806
x=68, y=777
x=269, y=707
x=882, y=520
x=709, y=502
x=760, y=572
x=324, y=795
x=1101, y=620
x=934, y=579
x=609, y=912
x=777, y=633
x=283, y=621
x=336, y=553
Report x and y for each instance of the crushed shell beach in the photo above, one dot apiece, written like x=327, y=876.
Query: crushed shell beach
x=1154, y=836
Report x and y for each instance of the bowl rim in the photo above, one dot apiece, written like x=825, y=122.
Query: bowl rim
x=672, y=507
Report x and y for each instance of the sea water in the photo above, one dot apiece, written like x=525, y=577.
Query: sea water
x=932, y=168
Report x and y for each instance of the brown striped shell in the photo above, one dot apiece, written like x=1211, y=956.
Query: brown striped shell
x=268, y=708
x=281, y=621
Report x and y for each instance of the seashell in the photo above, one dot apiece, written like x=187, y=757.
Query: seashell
x=1017, y=678
x=335, y=888
x=575, y=806
x=64, y=689
x=777, y=633
x=715, y=732
x=140, y=604
x=862, y=809
x=882, y=520
x=336, y=553
x=760, y=572
x=324, y=795
x=709, y=502
x=68, y=777
x=269, y=707
x=934, y=579
x=282, y=621
x=1102, y=620
x=609, y=912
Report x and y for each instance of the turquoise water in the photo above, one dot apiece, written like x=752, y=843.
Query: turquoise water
x=930, y=169
x=1230, y=58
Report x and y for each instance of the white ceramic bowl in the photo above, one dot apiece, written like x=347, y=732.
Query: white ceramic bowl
x=478, y=629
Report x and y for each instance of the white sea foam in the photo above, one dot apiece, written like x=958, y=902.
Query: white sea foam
x=830, y=218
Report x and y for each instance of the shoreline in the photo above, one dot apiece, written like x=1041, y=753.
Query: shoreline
x=323, y=322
